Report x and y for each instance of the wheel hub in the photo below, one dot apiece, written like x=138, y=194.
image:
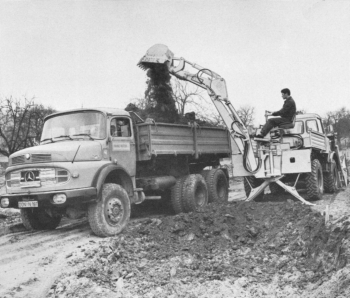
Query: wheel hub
x=200, y=197
x=114, y=210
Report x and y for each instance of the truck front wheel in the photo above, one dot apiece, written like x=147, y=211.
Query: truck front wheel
x=194, y=193
x=217, y=185
x=39, y=219
x=314, y=181
x=330, y=179
x=111, y=213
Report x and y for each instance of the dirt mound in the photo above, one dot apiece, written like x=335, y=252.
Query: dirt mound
x=9, y=216
x=237, y=248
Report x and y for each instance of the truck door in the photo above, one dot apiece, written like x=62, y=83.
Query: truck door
x=122, y=147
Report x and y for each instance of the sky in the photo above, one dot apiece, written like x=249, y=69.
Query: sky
x=72, y=54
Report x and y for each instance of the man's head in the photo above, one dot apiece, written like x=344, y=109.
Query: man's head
x=285, y=93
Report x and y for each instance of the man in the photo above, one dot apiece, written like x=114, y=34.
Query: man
x=286, y=114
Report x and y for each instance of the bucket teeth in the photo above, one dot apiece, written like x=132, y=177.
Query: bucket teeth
x=142, y=66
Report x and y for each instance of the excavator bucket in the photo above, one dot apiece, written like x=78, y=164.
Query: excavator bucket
x=158, y=55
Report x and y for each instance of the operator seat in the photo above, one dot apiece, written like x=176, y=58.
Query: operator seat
x=280, y=128
x=288, y=125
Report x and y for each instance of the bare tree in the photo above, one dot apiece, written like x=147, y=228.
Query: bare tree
x=21, y=122
x=186, y=95
x=300, y=112
x=340, y=119
x=246, y=113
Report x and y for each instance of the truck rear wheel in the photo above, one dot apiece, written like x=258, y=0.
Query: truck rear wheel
x=314, y=181
x=330, y=179
x=252, y=182
x=111, y=213
x=217, y=185
x=194, y=193
x=176, y=196
x=39, y=219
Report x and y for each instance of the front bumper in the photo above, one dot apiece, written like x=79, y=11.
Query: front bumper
x=74, y=197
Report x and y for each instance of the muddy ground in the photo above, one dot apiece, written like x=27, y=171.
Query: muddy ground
x=276, y=248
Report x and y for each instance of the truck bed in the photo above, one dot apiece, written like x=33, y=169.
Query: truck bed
x=153, y=139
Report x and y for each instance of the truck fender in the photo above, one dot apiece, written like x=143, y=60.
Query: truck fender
x=113, y=174
x=330, y=156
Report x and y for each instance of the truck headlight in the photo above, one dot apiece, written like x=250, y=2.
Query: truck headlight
x=5, y=202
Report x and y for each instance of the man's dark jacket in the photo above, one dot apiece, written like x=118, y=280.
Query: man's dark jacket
x=288, y=110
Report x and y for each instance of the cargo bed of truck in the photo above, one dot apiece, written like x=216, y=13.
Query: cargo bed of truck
x=153, y=139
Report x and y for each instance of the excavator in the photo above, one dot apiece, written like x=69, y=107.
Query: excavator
x=266, y=163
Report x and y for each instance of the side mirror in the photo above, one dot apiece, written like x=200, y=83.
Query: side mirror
x=330, y=128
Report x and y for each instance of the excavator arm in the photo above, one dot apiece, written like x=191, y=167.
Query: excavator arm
x=160, y=56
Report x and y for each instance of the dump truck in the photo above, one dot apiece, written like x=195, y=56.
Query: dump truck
x=100, y=162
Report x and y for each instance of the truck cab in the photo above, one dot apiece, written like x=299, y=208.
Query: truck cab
x=79, y=150
x=308, y=132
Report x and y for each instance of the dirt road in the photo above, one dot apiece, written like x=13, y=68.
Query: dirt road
x=30, y=261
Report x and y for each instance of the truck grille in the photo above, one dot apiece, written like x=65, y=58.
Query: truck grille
x=37, y=177
x=41, y=158
x=35, y=158
x=18, y=160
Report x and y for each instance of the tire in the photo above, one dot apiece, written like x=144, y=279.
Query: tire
x=330, y=179
x=194, y=193
x=253, y=182
x=217, y=185
x=39, y=219
x=276, y=189
x=176, y=196
x=110, y=215
x=314, y=181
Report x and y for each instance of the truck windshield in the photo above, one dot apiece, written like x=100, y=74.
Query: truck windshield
x=89, y=124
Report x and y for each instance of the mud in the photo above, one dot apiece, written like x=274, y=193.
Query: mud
x=31, y=261
x=241, y=249
x=275, y=248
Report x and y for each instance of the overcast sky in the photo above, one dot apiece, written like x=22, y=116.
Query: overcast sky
x=69, y=54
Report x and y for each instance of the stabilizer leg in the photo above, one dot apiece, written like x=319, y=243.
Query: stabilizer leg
x=293, y=192
x=257, y=190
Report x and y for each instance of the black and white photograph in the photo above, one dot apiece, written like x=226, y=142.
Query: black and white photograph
x=174, y=148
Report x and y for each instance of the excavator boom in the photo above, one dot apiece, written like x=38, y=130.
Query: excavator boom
x=159, y=56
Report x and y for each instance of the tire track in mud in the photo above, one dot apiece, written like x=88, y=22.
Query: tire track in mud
x=30, y=261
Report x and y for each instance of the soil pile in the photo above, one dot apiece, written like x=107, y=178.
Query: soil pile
x=160, y=103
x=242, y=249
x=9, y=217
